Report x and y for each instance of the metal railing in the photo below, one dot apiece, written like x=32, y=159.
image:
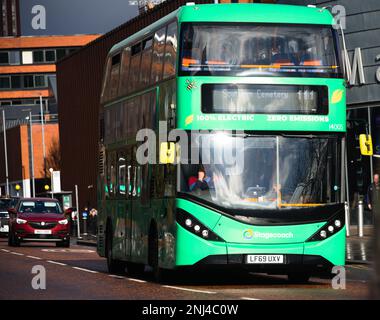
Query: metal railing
x=36, y=119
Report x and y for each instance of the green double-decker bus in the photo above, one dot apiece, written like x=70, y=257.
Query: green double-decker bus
x=221, y=143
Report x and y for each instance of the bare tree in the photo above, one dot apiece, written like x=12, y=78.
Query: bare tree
x=53, y=159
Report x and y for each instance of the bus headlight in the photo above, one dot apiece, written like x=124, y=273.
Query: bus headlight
x=330, y=228
x=188, y=222
x=193, y=225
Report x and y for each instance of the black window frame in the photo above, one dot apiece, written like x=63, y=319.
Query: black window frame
x=8, y=58
x=38, y=52
x=4, y=79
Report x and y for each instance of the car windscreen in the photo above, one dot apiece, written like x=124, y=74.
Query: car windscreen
x=40, y=207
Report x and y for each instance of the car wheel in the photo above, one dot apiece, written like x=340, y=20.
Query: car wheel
x=10, y=239
x=299, y=277
x=63, y=244
x=66, y=243
x=16, y=242
x=114, y=266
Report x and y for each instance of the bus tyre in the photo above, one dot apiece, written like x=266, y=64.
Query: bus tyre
x=114, y=266
x=159, y=274
x=299, y=277
x=135, y=268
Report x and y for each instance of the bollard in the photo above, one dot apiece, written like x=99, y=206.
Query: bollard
x=360, y=218
x=347, y=218
x=84, y=219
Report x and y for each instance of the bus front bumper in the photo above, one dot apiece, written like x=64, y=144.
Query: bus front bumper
x=314, y=256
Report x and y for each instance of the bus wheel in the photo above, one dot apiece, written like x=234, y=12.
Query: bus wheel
x=114, y=266
x=158, y=273
x=299, y=277
x=135, y=268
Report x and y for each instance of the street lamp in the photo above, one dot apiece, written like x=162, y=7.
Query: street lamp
x=51, y=181
x=43, y=135
x=32, y=153
x=17, y=187
x=6, y=155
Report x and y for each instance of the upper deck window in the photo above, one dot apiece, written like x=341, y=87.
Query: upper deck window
x=258, y=50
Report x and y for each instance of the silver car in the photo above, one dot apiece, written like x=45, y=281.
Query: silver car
x=5, y=204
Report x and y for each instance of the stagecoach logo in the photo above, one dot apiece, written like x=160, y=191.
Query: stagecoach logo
x=248, y=234
x=191, y=84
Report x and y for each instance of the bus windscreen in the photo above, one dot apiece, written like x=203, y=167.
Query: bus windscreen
x=252, y=49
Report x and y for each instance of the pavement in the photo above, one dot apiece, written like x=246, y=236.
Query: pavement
x=86, y=240
x=359, y=249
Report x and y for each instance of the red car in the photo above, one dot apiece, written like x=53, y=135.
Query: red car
x=38, y=219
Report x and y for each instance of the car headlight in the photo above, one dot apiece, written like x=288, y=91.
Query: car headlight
x=64, y=221
x=21, y=221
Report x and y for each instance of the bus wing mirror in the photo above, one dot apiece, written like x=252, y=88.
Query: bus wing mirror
x=167, y=152
x=366, y=147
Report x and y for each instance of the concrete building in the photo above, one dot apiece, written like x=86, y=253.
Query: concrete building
x=28, y=85
x=27, y=72
x=20, y=140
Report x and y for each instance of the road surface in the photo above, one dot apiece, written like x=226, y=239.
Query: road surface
x=79, y=273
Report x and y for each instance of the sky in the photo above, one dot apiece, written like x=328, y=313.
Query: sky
x=65, y=17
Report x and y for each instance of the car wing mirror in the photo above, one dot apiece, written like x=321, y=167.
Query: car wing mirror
x=70, y=210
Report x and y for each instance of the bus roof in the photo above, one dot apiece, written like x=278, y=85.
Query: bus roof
x=237, y=12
